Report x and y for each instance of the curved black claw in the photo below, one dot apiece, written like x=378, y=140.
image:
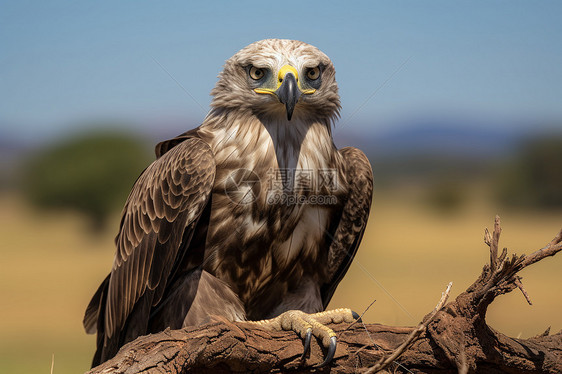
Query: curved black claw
x=356, y=316
x=307, y=340
x=331, y=352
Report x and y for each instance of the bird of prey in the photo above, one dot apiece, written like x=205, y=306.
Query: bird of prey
x=253, y=216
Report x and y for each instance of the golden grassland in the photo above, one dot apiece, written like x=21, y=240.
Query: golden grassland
x=50, y=266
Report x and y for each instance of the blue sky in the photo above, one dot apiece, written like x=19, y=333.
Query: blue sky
x=64, y=64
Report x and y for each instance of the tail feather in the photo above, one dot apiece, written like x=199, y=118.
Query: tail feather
x=94, y=307
x=94, y=319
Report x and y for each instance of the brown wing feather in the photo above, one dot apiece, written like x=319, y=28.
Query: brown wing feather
x=166, y=199
x=353, y=219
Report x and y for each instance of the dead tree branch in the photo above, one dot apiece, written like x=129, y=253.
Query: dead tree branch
x=454, y=338
x=383, y=362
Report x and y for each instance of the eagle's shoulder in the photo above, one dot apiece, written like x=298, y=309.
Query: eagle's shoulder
x=164, y=146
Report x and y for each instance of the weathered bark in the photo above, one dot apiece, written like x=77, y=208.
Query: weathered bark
x=457, y=339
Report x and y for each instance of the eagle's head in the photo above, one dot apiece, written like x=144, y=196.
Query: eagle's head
x=279, y=78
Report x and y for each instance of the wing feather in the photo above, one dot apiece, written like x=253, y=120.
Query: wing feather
x=353, y=219
x=165, y=201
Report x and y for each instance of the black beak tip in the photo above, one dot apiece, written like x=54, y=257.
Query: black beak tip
x=290, y=108
x=289, y=115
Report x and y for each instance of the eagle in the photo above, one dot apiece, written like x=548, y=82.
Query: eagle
x=255, y=215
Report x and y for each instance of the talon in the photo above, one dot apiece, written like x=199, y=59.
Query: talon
x=331, y=352
x=307, y=325
x=356, y=316
x=307, y=340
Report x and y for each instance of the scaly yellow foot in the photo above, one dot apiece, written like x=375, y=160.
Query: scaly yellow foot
x=307, y=325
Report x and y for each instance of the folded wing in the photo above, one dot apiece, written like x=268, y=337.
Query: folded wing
x=353, y=219
x=159, y=220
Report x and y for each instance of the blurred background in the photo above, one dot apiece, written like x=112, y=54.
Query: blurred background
x=458, y=106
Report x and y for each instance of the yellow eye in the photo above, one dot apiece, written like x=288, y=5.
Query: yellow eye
x=313, y=73
x=256, y=73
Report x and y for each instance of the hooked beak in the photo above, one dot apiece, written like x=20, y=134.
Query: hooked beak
x=288, y=93
x=288, y=90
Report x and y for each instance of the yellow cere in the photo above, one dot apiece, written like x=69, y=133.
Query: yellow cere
x=284, y=71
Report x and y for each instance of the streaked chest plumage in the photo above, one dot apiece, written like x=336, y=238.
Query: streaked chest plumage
x=276, y=191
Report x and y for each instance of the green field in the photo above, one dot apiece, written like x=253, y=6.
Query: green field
x=50, y=265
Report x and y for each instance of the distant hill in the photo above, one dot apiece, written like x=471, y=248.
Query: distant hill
x=409, y=148
x=463, y=140
x=429, y=150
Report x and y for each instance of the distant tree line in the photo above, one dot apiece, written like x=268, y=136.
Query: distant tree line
x=90, y=173
x=93, y=174
x=533, y=179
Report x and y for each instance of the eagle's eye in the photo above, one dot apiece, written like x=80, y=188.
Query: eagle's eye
x=256, y=73
x=313, y=73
